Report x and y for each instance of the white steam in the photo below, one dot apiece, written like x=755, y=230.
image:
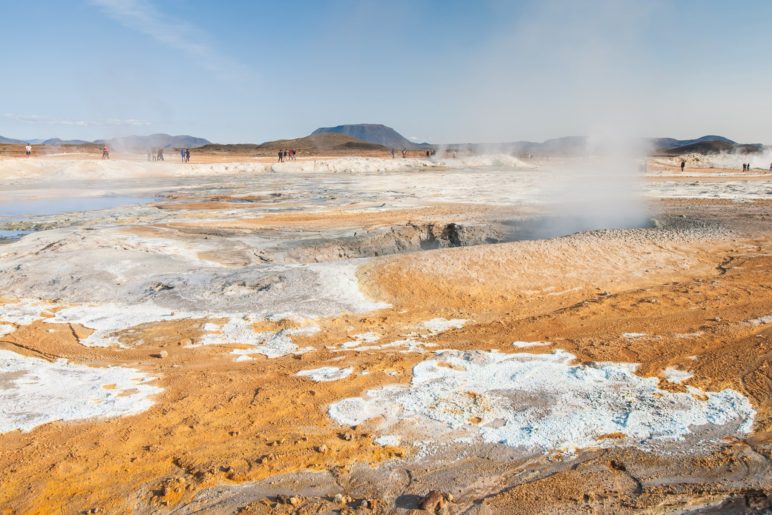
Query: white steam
x=603, y=189
x=574, y=68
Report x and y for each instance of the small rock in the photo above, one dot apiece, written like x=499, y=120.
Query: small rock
x=342, y=499
x=265, y=458
x=434, y=501
x=295, y=501
x=345, y=436
x=480, y=509
x=322, y=449
x=163, y=354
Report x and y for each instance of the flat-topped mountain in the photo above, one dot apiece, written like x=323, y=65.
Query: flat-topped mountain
x=314, y=144
x=373, y=133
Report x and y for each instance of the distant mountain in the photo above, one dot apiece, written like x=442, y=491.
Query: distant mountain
x=713, y=147
x=710, y=144
x=374, y=133
x=10, y=141
x=130, y=143
x=57, y=141
x=669, y=144
x=143, y=143
x=578, y=145
x=315, y=144
x=567, y=146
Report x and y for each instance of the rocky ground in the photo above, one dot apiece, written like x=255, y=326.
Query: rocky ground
x=363, y=335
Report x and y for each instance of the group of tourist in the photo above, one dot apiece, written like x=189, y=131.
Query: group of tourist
x=285, y=154
x=747, y=167
x=429, y=153
x=155, y=154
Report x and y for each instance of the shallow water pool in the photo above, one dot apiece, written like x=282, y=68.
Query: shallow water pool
x=59, y=205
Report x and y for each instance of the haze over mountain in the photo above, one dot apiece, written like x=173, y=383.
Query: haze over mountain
x=566, y=146
x=369, y=137
x=131, y=143
x=58, y=141
x=578, y=145
x=10, y=141
x=155, y=141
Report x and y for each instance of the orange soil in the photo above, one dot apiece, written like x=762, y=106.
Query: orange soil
x=224, y=422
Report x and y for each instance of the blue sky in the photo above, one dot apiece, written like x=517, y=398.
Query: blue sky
x=436, y=70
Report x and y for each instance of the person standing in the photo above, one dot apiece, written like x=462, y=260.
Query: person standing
x=683, y=165
x=187, y=155
x=182, y=155
x=281, y=155
x=28, y=150
x=105, y=152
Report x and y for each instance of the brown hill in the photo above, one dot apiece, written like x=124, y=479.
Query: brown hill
x=17, y=150
x=713, y=147
x=315, y=144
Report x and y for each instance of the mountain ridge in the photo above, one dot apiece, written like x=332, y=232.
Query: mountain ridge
x=132, y=142
x=375, y=137
x=578, y=145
